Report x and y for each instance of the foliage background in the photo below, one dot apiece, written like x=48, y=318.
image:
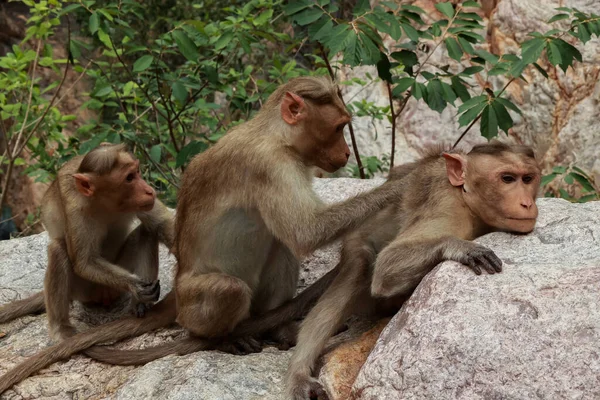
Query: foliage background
x=171, y=77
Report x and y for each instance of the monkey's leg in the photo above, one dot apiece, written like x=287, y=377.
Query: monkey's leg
x=57, y=290
x=139, y=254
x=403, y=263
x=277, y=285
x=211, y=305
x=322, y=322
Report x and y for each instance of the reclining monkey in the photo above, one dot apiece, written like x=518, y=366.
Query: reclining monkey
x=448, y=201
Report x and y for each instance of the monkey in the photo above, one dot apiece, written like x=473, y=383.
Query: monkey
x=246, y=214
x=449, y=200
x=95, y=253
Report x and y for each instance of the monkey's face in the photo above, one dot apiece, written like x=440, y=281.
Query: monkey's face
x=124, y=189
x=321, y=142
x=502, y=190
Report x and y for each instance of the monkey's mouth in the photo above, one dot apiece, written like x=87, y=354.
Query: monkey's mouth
x=147, y=206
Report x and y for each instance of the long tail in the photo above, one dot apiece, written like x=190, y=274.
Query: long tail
x=31, y=305
x=162, y=314
x=289, y=311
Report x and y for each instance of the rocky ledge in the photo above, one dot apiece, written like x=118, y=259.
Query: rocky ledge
x=532, y=331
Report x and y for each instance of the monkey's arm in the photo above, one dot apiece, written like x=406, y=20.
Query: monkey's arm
x=297, y=217
x=89, y=264
x=160, y=220
x=405, y=261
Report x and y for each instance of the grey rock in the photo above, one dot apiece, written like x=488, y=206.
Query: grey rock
x=204, y=375
x=530, y=332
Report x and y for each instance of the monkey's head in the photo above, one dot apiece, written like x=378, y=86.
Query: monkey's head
x=499, y=184
x=110, y=177
x=315, y=116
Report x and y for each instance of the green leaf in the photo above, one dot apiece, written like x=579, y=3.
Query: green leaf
x=448, y=93
x=468, y=116
x=320, y=30
x=541, y=70
x=489, y=123
x=427, y=75
x=340, y=34
x=407, y=58
x=296, y=6
x=553, y=53
x=559, y=170
x=546, y=179
x=142, y=63
x=402, y=86
x=446, y=9
x=383, y=68
x=466, y=46
x=489, y=57
x=567, y=52
x=186, y=45
x=583, y=181
x=558, y=17
x=435, y=98
x=411, y=32
x=472, y=70
x=418, y=90
x=94, y=23
x=504, y=120
x=179, y=92
x=454, y=50
x=532, y=49
x=264, y=17
x=583, y=33
x=103, y=91
x=460, y=89
x=508, y=104
x=471, y=4
x=155, y=153
x=564, y=194
x=352, y=51
x=472, y=102
x=308, y=16
x=361, y=7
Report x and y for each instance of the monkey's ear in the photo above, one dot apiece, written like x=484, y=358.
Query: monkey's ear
x=293, y=108
x=455, y=168
x=84, y=185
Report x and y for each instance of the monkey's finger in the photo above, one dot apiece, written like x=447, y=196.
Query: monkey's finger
x=483, y=262
x=494, y=260
x=471, y=263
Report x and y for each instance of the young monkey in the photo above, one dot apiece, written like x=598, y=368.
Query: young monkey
x=95, y=252
x=448, y=201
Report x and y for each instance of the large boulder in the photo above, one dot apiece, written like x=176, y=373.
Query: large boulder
x=532, y=331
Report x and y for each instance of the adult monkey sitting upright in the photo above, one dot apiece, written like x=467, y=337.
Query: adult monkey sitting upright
x=246, y=214
x=449, y=200
x=95, y=251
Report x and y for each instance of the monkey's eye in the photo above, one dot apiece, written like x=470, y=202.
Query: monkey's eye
x=130, y=177
x=528, y=179
x=508, y=179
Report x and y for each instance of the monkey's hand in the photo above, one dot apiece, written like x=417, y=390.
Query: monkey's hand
x=146, y=292
x=479, y=257
x=305, y=387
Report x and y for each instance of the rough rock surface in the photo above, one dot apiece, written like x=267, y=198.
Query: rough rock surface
x=530, y=332
x=205, y=375
x=559, y=113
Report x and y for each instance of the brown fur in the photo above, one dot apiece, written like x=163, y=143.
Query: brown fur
x=434, y=220
x=95, y=254
x=246, y=214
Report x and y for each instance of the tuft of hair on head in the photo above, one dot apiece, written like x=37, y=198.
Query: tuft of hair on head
x=102, y=159
x=496, y=147
x=319, y=90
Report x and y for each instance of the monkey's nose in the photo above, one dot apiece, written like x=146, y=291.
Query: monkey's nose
x=527, y=204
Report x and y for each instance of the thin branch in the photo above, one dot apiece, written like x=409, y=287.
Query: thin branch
x=350, y=126
x=394, y=115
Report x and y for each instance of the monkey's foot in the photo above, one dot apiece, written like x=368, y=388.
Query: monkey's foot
x=140, y=309
x=283, y=337
x=304, y=387
x=240, y=347
x=62, y=332
x=482, y=257
x=147, y=292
